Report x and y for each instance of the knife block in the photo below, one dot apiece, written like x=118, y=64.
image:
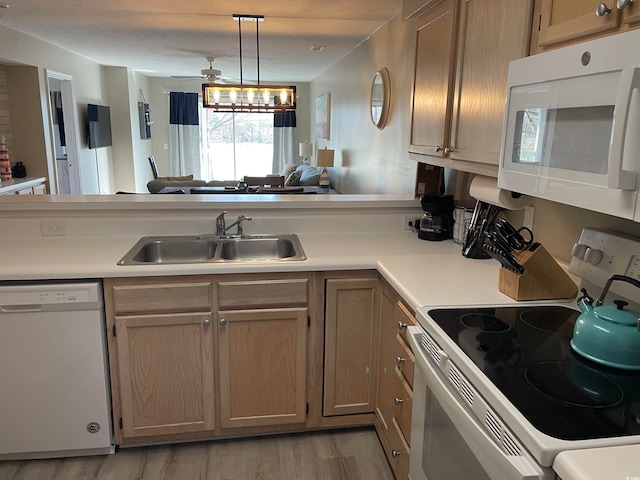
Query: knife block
x=543, y=278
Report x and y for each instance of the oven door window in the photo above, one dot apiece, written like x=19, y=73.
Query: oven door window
x=446, y=454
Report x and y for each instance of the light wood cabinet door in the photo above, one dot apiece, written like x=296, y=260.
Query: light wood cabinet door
x=463, y=52
x=387, y=361
x=631, y=14
x=433, y=80
x=166, y=378
x=262, y=357
x=564, y=20
x=351, y=342
x=412, y=9
x=491, y=34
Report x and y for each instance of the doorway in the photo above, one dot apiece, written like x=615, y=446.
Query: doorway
x=64, y=134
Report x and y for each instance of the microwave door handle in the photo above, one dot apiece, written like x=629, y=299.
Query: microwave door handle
x=627, y=107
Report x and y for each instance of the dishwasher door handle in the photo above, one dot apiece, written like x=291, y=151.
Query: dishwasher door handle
x=20, y=308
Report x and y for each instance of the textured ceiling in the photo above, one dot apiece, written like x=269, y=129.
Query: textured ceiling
x=164, y=38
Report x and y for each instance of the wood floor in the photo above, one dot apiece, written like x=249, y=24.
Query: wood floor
x=354, y=454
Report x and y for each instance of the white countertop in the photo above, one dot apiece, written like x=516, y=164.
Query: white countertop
x=424, y=273
x=608, y=463
x=8, y=186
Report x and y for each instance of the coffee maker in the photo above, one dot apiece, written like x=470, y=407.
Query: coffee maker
x=437, y=222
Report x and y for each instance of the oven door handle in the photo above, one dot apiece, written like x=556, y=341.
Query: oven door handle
x=494, y=460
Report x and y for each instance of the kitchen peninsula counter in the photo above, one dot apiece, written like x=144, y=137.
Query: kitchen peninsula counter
x=341, y=232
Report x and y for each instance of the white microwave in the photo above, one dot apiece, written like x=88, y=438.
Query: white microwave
x=572, y=126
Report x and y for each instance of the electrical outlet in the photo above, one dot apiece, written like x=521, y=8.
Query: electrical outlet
x=527, y=221
x=53, y=228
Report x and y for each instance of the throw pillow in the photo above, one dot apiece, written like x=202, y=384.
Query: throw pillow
x=288, y=169
x=311, y=176
x=293, y=179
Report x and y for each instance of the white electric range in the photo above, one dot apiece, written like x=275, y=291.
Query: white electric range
x=498, y=391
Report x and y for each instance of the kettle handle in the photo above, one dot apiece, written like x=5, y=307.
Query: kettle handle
x=622, y=278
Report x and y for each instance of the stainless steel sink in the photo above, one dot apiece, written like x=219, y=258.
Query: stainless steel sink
x=262, y=247
x=209, y=249
x=171, y=249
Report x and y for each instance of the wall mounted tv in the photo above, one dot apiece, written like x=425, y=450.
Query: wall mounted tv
x=99, y=126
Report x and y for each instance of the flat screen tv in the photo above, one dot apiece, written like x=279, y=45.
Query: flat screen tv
x=99, y=126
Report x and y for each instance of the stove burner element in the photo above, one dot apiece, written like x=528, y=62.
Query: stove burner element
x=574, y=384
x=484, y=322
x=558, y=320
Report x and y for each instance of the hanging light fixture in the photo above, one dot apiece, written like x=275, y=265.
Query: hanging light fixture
x=248, y=98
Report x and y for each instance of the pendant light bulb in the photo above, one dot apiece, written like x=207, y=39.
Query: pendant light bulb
x=265, y=96
x=283, y=97
x=233, y=96
x=216, y=95
x=250, y=95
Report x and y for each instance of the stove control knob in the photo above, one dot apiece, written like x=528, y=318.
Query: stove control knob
x=592, y=256
x=579, y=250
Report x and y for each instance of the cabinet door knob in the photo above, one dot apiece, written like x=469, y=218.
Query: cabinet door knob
x=622, y=4
x=223, y=321
x=398, y=401
x=399, y=360
x=395, y=453
x=206, y=322
x=401, y=325
x=438, y=148
x=448, y=150
x=602, y=10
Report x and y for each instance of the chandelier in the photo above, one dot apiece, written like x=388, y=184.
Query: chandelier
x=248, y=98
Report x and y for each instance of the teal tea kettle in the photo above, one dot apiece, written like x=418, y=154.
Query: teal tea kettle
x=608, y=334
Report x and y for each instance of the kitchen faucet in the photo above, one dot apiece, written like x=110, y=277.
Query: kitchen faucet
x=221, y=227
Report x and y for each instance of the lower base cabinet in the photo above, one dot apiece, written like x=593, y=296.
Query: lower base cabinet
x=190, y=360
x=395, y=379
x=262, y=360
x=351, y=334
x=195, y=357
x=165, y=371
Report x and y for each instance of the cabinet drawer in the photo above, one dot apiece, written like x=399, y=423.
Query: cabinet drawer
x=263, y=293
x=404, y=358
x=402, y=404
x=398, y=453
x=162, y=297
x=404, y=318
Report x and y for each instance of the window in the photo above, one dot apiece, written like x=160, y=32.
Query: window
x=235, y=144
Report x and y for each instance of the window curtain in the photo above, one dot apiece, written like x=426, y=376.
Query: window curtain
x=285, y=140
x=184, y=135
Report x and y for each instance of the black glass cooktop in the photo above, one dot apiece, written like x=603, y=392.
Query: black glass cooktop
x=525, y=352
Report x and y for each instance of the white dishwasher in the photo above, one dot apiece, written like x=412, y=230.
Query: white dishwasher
x=54, y=384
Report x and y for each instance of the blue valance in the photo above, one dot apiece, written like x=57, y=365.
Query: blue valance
x=284, y=119
x=183, y=108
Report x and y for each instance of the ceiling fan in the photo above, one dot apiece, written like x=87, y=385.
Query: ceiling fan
x=212, y=75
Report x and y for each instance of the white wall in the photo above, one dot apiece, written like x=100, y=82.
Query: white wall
x=88, y=81
x=368, y=160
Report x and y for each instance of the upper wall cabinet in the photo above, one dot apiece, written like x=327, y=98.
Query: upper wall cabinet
x=463, y=51
x=412, y=9
x=562, y=22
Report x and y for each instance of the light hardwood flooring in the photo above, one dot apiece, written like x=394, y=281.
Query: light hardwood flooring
x=354, y=454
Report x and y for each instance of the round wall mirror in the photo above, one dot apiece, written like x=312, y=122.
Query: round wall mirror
x=380, y=98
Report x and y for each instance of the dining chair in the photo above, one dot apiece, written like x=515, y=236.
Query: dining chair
x=154, y=167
